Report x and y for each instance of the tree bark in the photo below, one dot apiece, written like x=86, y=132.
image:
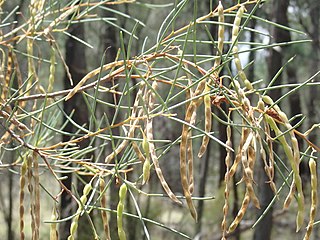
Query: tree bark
x=264, y=228
x=76, y=61
x=315, y=66
x=110, y=42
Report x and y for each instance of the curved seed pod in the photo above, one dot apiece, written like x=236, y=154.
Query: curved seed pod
x=103, y=202
x=290, y=195
x=122, y=195
x=133, y=124
x=136, y=149
x=149, y=134
x=155, y=161
x=23, y=172
x=314, y=197
x=208, y=121
x=241, y=212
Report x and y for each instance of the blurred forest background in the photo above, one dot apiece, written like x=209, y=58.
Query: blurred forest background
x=60, y=168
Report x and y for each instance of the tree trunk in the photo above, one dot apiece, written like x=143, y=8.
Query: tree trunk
x=264, y=228
x=76, y=61
x=109, y=38
x=313, y=105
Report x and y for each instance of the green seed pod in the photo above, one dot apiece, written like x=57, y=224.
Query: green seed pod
x=261, y=105
x=123, y=192
x=145, y=145
x=268, y=100
x=314, y=197
x=122, y=195
x=87, y=189
x=53, y=226
x=146, y=171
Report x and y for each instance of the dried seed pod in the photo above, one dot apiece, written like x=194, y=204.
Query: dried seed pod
x=136, y=149
x=235, y=49
x=314, y=197
x=244, y=136
x=31, y=188
x=23, y=172
x=6, y=82
x=208, y=121
x=133, y=124
x=103, y=202
x=36, y=193
x=190, y=157
x=241, y=212
x=227, y=180
x=52, y=69
x=217, y=61
x=152, y=149
x=185, y=181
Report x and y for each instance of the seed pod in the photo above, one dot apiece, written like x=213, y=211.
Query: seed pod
x=241, y=212
x=290, y=196
x=103, y=202
x=152, y=149
x=146, y=171
x=227, y=180
x=314, y=197
x=122, y=195
x=21, y=207
x=244, y=136
x=52, y=69
x=145, y=145
x=217, y=61
x=208, y=121
x=235, y=49
x=133, y=124
x=6, y=83
x=268, y=100
x=83, y=200
x=53, y=225
x=293, y=157
x=138, y=152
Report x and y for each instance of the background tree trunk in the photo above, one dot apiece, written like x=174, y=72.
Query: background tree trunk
x=76, y=61
x=264, y=228
x=110, y=43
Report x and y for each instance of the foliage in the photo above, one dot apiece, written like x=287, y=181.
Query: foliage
x=170, y=82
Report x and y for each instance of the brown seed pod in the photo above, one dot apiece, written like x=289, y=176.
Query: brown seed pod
x=208, y=121
x=241, y=212
x=103, y=203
